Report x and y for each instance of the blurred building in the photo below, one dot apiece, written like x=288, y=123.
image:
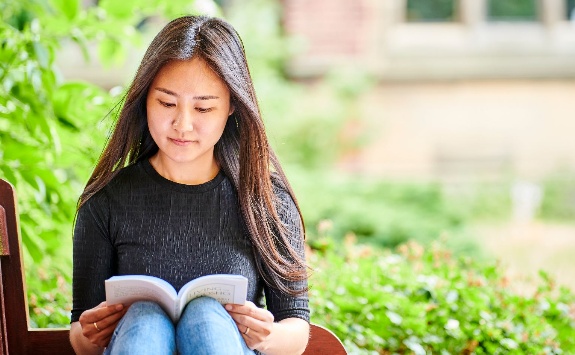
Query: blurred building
x=468, y=39
x=467, y=89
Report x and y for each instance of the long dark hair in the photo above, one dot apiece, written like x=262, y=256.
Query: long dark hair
x=243, y=151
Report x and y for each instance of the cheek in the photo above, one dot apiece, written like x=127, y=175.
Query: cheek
x=221, y=126
x=213, y=125
x=158, y=119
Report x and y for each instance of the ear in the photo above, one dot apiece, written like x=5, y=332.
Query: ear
x=232, y=109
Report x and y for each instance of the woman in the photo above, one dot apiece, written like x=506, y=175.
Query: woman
x=187, y=186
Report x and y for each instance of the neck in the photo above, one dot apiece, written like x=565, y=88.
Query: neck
x=185, y=174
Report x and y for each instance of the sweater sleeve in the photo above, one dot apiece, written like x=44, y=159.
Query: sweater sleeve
x=93, y=254
x=282, y=305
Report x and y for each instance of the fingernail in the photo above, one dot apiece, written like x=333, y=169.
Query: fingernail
x=228, y=307
x=119, y=307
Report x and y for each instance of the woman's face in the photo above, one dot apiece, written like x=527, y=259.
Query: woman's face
x=188, y=106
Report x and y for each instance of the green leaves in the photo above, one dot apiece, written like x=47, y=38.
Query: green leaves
x=423, y=301
x=52, y=132
x=120, y=9
x=69, y=8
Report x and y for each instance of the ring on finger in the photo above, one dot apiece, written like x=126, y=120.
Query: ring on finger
x=247, y=331
x=96, y=326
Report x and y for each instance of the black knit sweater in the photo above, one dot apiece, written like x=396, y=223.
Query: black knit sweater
x=142, y=223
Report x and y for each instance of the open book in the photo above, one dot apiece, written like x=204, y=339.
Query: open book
x=127, y=289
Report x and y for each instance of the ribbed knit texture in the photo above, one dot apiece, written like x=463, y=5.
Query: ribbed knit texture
x=142, y=223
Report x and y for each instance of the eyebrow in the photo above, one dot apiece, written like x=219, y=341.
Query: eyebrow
x=202, y=97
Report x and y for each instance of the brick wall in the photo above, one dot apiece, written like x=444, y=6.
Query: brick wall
x=329, y=28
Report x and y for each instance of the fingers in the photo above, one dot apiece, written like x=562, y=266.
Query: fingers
x=109, y=321
x=98, y=323
x=100, y=311
x=255, y=324
x=250, y=310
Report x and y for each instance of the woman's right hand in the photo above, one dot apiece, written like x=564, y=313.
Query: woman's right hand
x=98, y=323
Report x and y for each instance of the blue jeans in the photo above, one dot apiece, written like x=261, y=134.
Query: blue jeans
x=205, y=327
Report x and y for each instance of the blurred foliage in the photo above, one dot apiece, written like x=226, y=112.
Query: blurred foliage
x=307, y=125
x=481, y=201
x=493, y=202
x=558, y=202
x=512, y=10
x=430, y=10
x=382, y=213
x=51, y=130
x=419, y=300
x=42, y=128
x=49, y=296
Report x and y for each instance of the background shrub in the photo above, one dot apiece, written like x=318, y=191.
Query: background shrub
x=424, y=300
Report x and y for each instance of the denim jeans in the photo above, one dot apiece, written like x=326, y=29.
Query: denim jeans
x=205, y=327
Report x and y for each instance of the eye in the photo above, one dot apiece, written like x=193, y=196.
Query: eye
x=166, y=104
x=204, y=110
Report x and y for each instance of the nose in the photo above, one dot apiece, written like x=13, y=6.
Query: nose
x=184, y=121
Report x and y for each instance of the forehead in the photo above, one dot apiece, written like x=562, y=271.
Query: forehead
x=189, y=76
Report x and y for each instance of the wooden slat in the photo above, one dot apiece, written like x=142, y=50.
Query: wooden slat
x=12, y=277
x=49, y=342
x=4, y=246
x=3, y=331
x=323, y=341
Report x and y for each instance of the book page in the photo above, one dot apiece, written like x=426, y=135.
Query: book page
x=223, y=293
x=224, y=288
x=132, y=288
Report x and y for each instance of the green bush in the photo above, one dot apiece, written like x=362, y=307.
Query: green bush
x=49, y=295
x=425, y=301
x=376, y=211
x=558, y=202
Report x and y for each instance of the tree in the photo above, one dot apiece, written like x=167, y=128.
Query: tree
x=50, y=129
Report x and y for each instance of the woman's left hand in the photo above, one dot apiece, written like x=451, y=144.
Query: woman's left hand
x=254, y=323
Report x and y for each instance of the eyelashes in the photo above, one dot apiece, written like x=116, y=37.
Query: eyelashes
x=199, y=109
x=166, y=104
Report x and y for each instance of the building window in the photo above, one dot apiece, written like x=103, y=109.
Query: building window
x=512, y=10
x=430, y=10
x=571, y=10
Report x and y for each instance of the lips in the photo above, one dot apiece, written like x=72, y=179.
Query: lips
x=181, y=142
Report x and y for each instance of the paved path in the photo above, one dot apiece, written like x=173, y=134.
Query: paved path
x=524, y=249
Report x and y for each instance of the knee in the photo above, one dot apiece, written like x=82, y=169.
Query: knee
x=144, y=307
x=148, y=311
x=204, y=303
x=209, y=321
x=204, y=309
x=145, y=328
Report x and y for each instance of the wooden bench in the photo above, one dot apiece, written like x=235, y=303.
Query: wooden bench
x=16, y=336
